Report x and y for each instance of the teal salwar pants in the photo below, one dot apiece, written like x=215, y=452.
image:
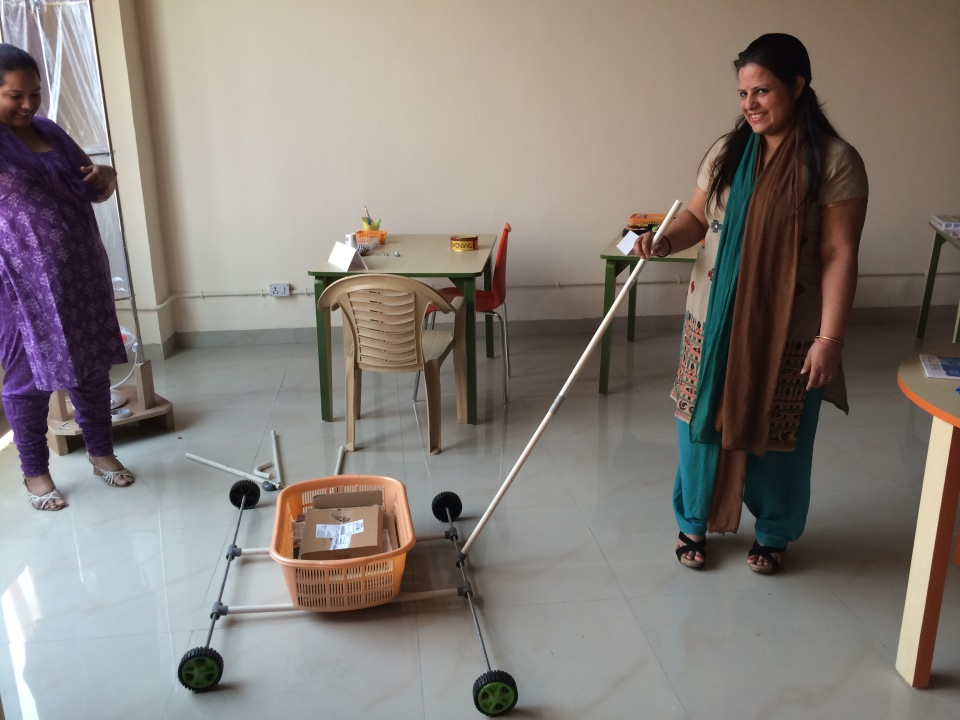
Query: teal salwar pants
x=777, y=487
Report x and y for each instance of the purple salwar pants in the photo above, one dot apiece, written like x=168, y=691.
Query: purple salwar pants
x=27, y=407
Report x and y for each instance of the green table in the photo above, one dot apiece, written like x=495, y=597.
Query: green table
x=939, y=238
x=421, y=256
x=617, y=262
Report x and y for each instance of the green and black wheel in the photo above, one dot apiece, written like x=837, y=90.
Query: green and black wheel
x=444, y=501
x=200, y=669
x=495, y=693
x=246, y=493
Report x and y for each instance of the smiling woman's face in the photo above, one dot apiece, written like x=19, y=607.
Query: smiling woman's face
x=766, y=103
x=19, y=98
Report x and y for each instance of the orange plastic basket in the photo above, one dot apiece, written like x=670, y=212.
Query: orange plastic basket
x=364, y=236
x=351, y=584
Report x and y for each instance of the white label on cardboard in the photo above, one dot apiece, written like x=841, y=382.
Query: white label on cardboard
x=340, y=534
x=346, y=258
x=626, y=245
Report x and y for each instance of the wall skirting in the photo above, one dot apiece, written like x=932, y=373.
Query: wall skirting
x=307, y=335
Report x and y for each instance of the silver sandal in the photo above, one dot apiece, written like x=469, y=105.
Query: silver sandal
x=48, y=502
x=113, y=478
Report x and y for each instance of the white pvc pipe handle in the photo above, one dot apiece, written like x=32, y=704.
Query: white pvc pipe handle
x=225, y=468
x=607, y=319
x=276, y=459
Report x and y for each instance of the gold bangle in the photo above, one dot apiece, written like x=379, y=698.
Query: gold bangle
x=839, y=343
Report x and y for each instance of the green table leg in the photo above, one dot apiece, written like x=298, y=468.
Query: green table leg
x=632, y=312
x=928, y=289
x=323, y=355
x=609, y=293
x=468, y=287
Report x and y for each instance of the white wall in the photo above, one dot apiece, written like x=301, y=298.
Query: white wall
x=273, y=123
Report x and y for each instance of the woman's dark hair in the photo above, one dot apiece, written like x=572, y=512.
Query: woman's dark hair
x=785, y=57
x=13, y=58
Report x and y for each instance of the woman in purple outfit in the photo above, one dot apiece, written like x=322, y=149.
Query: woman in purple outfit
x=58, y=323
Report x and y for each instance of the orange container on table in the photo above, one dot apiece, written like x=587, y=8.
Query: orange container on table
x=646, y=221
x=365, y=236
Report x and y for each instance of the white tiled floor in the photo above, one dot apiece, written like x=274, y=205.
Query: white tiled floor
x=581, y=598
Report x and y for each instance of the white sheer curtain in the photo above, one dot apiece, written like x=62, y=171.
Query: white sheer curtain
x=60, y=37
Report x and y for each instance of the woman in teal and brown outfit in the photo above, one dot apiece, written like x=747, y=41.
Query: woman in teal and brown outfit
x=779, y=208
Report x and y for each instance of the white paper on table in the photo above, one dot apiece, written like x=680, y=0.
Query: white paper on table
x=346, y=258
x=626, y=245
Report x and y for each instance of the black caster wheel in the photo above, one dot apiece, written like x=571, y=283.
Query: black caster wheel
x=200, y=669
x=446, y=501
x=245, y=493
x=495, y=693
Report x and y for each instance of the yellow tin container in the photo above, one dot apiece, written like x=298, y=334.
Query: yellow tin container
x=461, y=243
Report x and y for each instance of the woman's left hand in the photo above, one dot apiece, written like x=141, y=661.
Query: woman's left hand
x=821, y=364
x=101, y=177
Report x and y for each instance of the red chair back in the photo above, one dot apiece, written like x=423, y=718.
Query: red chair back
x=498, y=287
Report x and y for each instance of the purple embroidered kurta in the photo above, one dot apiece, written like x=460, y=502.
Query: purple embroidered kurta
x=55, y=285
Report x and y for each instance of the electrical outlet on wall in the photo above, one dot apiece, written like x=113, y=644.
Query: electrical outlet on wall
x=280, y=289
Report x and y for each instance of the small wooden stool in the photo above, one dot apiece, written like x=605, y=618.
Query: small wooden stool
x=142, y=401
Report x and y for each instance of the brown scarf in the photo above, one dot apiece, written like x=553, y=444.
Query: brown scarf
x=761, y=320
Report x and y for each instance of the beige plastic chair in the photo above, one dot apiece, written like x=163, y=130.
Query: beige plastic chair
x=383, y=332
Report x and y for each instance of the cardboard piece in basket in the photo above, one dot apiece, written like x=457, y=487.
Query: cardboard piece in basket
x=342, y=525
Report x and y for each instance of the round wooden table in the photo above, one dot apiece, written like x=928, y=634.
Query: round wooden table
x=937, y=515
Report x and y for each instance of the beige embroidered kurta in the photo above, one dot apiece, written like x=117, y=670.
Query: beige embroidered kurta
x=844, y=179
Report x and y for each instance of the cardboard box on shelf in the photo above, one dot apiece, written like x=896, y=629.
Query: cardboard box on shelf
x=342, y=525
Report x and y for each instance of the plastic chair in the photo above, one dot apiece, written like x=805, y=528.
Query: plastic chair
x=489, y=302
x=384, y=332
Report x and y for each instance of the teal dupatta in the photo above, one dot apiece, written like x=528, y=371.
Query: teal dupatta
x=704, y=437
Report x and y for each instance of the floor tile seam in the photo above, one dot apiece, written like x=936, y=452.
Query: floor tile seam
x=218, y=571
x=422, y=664
x=599, y=546
x=710, y=591
x=482, y=602
x=83, y=638
x=832, y=588
x=634, y=612
x=735, y=590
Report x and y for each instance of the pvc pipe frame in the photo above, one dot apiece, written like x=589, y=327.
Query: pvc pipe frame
x=258, y=474
x=276, y=460
x=607, y=319
x=225, y=468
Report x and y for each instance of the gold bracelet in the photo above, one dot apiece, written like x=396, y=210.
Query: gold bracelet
x=839, y=343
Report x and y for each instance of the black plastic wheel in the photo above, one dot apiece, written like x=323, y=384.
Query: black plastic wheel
x=200, y=669
x=495, y=693
x=444, y=501
x=246, y=493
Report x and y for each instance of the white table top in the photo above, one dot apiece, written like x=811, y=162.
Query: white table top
x=938, y=396
x=420, y=256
